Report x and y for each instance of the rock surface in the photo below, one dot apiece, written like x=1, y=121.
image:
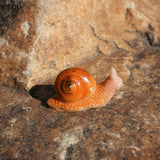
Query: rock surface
x=40, y=38
x=126, y=128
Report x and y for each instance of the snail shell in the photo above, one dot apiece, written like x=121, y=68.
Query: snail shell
x=74, y=84
x=76, y=90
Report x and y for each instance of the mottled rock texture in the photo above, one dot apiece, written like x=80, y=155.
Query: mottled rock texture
x=40, y=38
x=127, y=128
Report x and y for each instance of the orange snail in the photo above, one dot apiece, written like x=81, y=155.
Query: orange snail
x=76, y=90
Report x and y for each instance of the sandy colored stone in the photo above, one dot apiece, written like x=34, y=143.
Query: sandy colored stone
x=126, y=128
x=40, y=38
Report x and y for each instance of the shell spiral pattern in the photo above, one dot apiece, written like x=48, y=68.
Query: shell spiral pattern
x=74, y=84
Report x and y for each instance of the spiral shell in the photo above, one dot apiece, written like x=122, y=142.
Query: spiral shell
x=74, y=84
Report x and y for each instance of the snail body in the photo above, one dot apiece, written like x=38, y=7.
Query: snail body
x=76, y=90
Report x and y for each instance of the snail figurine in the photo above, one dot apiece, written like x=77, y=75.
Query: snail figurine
x=76, y=90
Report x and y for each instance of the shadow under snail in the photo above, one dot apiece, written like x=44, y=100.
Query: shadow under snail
x=76, y=90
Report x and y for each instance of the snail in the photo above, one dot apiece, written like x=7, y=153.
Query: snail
x=76, y=90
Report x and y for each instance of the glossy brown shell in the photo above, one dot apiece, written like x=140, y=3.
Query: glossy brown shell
x=74, y=84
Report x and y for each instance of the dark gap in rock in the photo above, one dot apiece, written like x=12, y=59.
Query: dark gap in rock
x=150, y=37
x=69, y=152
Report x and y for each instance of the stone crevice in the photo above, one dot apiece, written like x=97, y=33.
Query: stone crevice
x=117, y=48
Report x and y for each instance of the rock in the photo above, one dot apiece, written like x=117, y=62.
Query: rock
x=41, y=38
x=126, y=128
